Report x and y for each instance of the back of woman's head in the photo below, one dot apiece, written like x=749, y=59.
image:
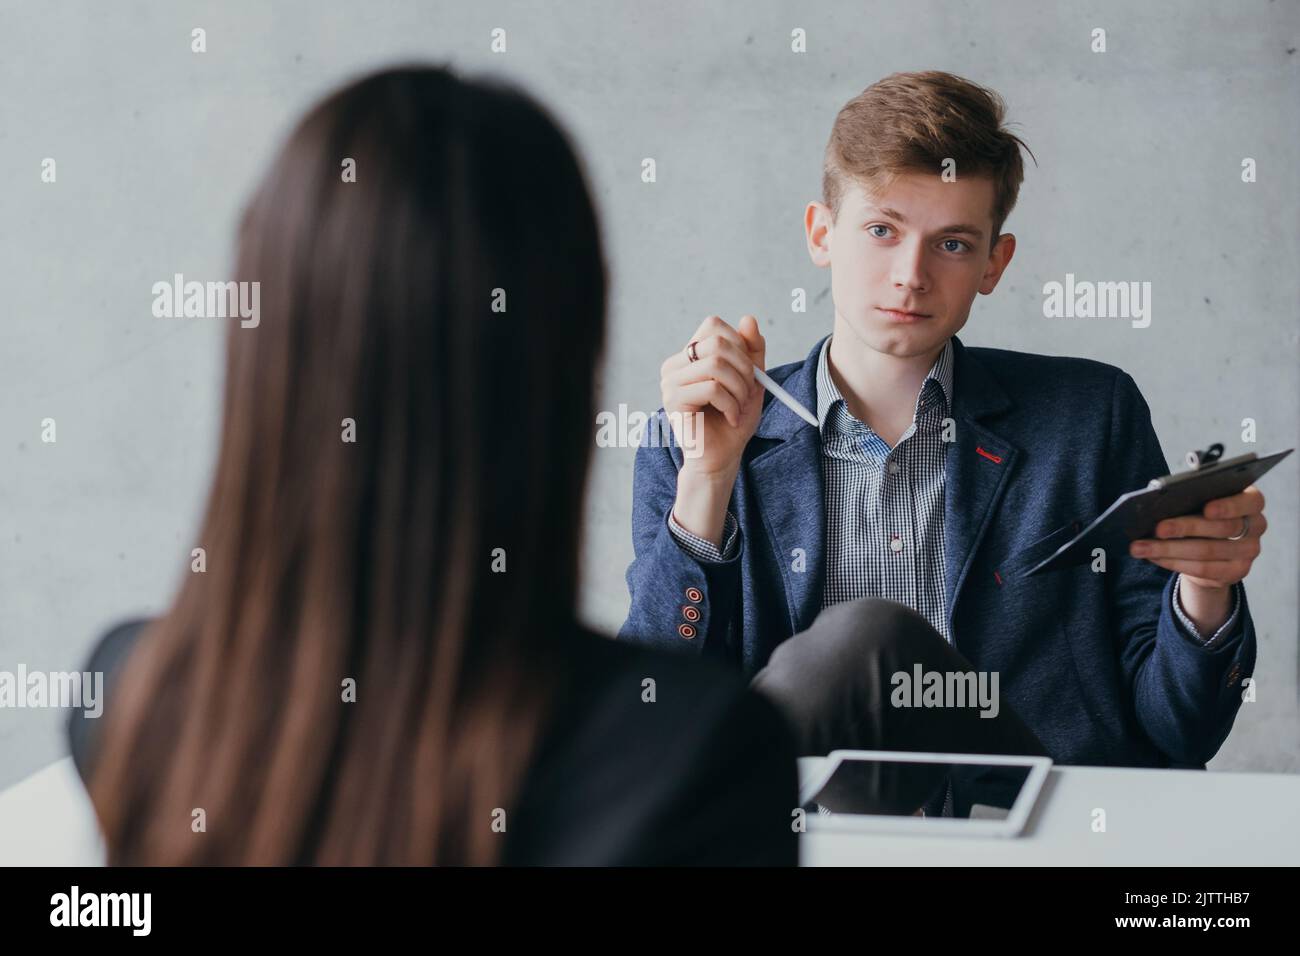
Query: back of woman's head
x=361, y=673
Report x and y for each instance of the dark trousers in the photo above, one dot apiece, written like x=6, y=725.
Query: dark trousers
x=835, y=681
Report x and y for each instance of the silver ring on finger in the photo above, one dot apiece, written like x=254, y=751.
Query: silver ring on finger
x=1245, y=526
x=691, y=353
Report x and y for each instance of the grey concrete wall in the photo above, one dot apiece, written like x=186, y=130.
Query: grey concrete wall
x=1138, y=178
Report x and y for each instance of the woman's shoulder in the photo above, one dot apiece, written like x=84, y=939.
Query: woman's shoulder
x=106, y=657
x=115, y=645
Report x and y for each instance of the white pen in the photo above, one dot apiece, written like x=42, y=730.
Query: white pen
x=785, y=397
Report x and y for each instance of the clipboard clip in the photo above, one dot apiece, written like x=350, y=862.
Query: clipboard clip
x=1200, y=462
x=1199, y=459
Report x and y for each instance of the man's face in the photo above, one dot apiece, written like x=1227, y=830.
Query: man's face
x=921, y=246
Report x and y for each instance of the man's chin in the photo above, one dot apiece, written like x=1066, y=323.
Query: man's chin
x=905, y=340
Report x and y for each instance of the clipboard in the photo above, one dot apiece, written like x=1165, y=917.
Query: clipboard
x=1135, y=514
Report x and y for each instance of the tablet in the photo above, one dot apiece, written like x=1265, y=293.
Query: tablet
x=884, y=791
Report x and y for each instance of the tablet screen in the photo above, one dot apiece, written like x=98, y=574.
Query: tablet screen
x=896, y=788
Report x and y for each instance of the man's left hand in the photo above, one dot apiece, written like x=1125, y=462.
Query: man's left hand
x=1213, y=551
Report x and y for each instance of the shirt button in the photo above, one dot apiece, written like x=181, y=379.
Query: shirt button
x=893, y=467
x=895, y=543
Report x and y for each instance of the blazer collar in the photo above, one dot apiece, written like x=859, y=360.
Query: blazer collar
x=781, y=423
x=976, y=393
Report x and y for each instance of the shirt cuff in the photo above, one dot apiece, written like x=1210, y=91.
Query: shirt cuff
x=701, y=549
x=1190, y=628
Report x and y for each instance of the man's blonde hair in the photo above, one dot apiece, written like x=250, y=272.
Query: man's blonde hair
x=915, y=121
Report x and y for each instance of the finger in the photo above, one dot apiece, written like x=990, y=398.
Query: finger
x=1248, y=502
x=672, y=363
x=1224, y=573
x=710, y=328
x=737, y=355
x=711, y=325
x=756, y=351
x=714, y=367
x=701, y=395
x=1191, y=526
x=1198, y=549
x=754, y=341
x=714, y=325
x=706, y=345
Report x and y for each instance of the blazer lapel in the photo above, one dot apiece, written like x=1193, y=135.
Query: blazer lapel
x=787, y=481
x=977, y=470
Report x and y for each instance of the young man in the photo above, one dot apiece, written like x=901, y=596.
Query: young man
x=937, y=473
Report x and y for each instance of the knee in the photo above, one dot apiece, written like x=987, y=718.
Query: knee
x=875, y=625
x=848, y=637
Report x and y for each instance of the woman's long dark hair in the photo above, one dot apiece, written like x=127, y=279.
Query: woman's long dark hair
x=450, y=303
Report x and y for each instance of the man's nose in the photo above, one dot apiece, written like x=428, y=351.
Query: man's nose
x=909, y=267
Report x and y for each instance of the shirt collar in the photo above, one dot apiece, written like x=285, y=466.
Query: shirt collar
x=940, y=374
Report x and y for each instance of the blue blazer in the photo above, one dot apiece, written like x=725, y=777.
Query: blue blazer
x=1097, y=664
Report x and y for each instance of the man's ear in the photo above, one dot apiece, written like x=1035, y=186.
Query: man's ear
x=817, y=226
x=999, y=259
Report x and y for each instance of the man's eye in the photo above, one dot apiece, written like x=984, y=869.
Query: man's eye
x=960, y=245
x=872, y=230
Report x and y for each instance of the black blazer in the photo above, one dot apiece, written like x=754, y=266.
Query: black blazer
x=706, y=774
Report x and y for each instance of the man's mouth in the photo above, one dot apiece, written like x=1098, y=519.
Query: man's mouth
x=901, y=315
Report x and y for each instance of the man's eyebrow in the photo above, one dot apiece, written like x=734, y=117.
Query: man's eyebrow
x=962, y=228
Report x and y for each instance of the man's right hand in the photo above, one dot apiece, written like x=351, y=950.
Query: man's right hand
x=721, y=386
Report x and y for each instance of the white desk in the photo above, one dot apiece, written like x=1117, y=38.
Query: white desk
x=1153, y=818
x=47, y=820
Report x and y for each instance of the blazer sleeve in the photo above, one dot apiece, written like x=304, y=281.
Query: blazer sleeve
x=1184, y=694
x=679, y=603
